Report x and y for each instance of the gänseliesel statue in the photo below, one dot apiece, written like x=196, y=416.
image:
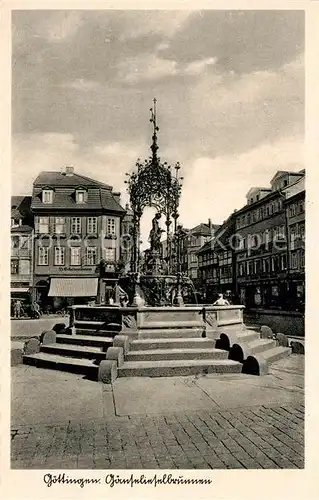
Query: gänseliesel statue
x=155, y=234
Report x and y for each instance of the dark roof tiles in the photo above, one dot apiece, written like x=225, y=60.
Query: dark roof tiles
x=99, y=195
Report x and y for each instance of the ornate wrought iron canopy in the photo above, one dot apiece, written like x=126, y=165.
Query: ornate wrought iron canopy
x=154, y=184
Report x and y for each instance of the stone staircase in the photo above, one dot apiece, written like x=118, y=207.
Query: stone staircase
x=174, y=356
x=80, y=353
x=103, y=353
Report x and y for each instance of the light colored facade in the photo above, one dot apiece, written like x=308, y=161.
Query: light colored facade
x=262, y=252
x=77, y=225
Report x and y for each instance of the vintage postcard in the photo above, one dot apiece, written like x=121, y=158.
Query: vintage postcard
x=155, y=299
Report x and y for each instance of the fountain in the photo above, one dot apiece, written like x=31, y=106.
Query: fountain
x=156, y=288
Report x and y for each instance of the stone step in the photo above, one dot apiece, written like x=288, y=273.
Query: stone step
x=63, y=363
x=75, y=351
x=89, y=340
x=171, y=354
x=175, y=343
x=247, y=336
x=177, y=368
x=275, y=354
x=95, y=332
x=261, y=345
x=170, y=333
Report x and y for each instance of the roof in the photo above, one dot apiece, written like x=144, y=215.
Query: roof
x=204, y=229
x=255, y=189
x=99, y=195
x=221, y=233
x=55, y=179
x=281, y=173
x=21, y=207
x=22, y=229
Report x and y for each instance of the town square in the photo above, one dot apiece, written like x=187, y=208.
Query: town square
x=158, y=207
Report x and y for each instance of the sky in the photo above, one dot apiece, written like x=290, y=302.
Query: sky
x=229, y=87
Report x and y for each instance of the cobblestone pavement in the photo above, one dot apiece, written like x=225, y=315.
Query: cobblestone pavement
x=260, y=437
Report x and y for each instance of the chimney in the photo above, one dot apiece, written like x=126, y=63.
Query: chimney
x=69, y=170
x=210, y=223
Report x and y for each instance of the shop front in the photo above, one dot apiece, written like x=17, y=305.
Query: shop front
x=65, y=292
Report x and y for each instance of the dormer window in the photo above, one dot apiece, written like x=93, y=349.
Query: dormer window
x=80, y=196
x=47, y=196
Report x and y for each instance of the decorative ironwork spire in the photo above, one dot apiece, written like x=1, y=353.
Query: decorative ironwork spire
x=154, y=146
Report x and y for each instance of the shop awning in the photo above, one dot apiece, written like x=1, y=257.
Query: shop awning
x=73, y=287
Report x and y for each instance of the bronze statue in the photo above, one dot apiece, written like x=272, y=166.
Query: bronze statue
x=155, y=234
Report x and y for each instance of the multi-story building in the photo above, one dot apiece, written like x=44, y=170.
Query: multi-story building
x=77, y=237
x=262, y=253
x=190, y=241
x=21, y=248
x=216, y=263
x=295, y=213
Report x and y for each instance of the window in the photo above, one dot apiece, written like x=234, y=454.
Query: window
x=248, y=218
x=301, y=206
x=302, y=258
x=15, y=241
x=25, y=242
x=283, y=262
x=109, y=254
x=250, y=267
x=257, y=267
x=91, y=256
x=59, y=225
x=294, y=260
x=25, y=267
x=242, y=267
x=302, y=230
x=80, y=196
x=14, y=266
x=59, y=253
x=274, y=263
x=92, y=225
x=43, y=226
x=16, y=222
x=43, y=256
x=292, y=210
x=193, y=258
x=285, y=182
x=47, y=196
x=266, y=266
x=110, y=226
x=76, y=225
x=75, y=256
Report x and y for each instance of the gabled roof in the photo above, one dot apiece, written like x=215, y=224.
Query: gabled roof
x=281, y=173
x=204, y=229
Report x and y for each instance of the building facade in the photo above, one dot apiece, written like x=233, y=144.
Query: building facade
x=216, y=263
x=295, y=213
x=77, y=224
x=262, y=246
x=189, y=242
x=21, y=248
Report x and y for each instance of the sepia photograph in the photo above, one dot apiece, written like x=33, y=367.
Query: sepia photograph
x=157, y=272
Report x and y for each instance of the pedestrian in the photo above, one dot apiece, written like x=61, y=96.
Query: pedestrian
x=221, y=301
x=35, y=310
x=17, y=309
